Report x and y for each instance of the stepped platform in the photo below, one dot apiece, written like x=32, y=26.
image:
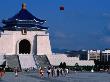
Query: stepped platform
x=23, y=61
x=41, y=60
x=13, y=61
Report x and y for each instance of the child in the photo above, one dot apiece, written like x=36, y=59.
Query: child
x=41, y=72
x=16, y=74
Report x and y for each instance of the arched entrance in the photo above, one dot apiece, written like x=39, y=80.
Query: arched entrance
x=24, y=47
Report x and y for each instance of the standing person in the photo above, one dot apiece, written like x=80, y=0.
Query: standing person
x=61, y=71
x=16, y=72
x=52, y=71
x=48, y=71
x=41, y=71
x=57, y=72
x=2, y=72
x=67, y=70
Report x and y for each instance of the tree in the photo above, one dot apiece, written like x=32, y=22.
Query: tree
x=77, y=67
x=61, y=65
x=64, y=65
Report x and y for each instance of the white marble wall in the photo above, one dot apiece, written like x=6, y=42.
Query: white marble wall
x=43, y=45
x=9, y=42
x=70, y=61
x=40, y=44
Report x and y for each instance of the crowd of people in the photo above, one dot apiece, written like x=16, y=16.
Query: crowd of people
x=53, y=71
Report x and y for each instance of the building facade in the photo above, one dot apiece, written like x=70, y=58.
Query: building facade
x=105, y=55
x=24, y=35
x=94, y=54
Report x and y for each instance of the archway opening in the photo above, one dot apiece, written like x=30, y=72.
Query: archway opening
x=24, y=47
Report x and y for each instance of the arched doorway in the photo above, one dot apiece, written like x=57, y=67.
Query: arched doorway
x=24, y=47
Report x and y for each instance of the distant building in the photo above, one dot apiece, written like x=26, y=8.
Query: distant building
x=105, y=55
x=94, y=54
x=82, y=54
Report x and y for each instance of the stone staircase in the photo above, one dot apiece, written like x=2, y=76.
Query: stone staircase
x=41, y=60
x=12, y=61
x=2, y=59
x=23, y=61
x=27, y=61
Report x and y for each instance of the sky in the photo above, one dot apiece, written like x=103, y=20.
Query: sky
x=84, y=24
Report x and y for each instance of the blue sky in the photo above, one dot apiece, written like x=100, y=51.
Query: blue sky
x=84, y=24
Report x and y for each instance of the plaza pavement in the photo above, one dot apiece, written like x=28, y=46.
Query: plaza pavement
x=73, y=77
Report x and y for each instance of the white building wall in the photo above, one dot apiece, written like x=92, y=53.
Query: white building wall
x=43, y=45
x=18, y=37
x=9, y=42
x=6, y=43
x=40, y=43
x=70, y=61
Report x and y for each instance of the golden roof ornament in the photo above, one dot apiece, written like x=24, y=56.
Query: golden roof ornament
x=23, y=6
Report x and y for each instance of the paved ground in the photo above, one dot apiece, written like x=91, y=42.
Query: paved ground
x=74, y=77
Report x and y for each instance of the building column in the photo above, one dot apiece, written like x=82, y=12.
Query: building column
x=107, y=56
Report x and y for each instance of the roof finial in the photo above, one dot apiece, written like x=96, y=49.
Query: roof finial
x=23, y=6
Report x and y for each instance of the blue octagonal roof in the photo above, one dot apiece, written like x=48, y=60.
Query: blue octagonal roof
x=25, y=15
x=23, y=19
